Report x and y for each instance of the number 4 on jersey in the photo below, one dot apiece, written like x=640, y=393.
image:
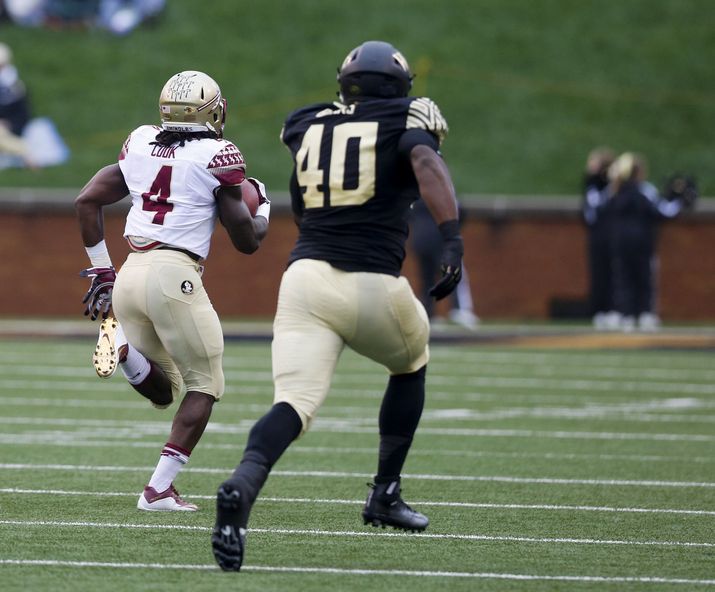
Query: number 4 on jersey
x=157, y=198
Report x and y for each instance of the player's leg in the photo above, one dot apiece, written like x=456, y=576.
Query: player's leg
x=144, y=374
x=305, y=350
x=394, y=331
x=132, y=344
x=267, y=441
x=190, y=344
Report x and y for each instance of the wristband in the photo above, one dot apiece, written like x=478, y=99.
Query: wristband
x=99, y=255
x=449, y=229
x=264, y=210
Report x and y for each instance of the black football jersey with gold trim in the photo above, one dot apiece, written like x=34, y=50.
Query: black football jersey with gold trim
x=353, y=184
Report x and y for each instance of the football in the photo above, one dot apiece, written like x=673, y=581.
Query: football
x=250, y=196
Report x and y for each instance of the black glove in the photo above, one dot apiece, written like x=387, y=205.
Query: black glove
x=681, y=187
x=99, y=296
x=451, y=266
x=597, y=180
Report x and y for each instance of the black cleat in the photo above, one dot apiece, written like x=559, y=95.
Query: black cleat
x=228, y=539
x=385, y=507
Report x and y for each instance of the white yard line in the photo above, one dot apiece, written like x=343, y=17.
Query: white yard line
x=632, y=382
x=618, y=359
x=360, y=502
x=256, y=370
x=479, y=392
x=359, y=534
x=645, y=412
x=81, y=440
x=346, y=474
x=570, y=384
x=362, y=572
x=344, y=425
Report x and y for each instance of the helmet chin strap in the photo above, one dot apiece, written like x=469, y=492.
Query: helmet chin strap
x=224, y=108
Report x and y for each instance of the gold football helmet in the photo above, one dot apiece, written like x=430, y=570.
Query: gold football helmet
x=628, y=166
x=191, y=102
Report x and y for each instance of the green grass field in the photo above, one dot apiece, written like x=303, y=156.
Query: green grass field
x=527, y=86
x=540, y=469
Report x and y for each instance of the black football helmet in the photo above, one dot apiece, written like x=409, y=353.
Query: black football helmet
x=374, y=69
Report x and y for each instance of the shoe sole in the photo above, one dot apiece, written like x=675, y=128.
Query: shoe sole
x=226, y=543
x=383, y=521
x=164, y=506
x=105, y=354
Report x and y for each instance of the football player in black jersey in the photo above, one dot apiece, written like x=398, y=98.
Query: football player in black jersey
x=359, y=164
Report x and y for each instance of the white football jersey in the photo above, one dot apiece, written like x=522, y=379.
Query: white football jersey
x=173, y=188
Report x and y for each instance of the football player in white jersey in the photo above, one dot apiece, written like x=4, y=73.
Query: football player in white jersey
x=359, y=164
x=166, y=338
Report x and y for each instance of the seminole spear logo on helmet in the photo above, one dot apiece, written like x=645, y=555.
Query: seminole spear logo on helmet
x=191, y=101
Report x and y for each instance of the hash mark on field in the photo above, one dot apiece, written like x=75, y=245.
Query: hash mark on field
x=366, y=533
x=362, y=572
x=303, y=500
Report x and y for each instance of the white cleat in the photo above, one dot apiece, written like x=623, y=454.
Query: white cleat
x=105, y=354
x=166, y=501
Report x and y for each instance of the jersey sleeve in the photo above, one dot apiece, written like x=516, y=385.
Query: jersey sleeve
x=125, y=148
x=424, y=114
x=414, y=137
x=228, y=165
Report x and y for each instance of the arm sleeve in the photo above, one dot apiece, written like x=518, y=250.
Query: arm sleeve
x=661, y=207
x=413, y=137
x=228, y=166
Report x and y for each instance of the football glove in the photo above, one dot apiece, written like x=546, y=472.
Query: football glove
x=98, y=299
x=598, y=180
x=681, y=187
x=451, y=264
x=264, y=204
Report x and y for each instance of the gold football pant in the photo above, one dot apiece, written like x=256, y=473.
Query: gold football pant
x=321, y=309
x=162, y=305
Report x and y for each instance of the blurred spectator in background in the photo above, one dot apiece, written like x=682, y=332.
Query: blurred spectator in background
x=634, y=209
x=123, y=16
x=61, y=14
x=598, y=237
x=51, y=13
x=14, y=110
x=26, y=13
x=24, y=141
x=426, y=243
x=117, y=16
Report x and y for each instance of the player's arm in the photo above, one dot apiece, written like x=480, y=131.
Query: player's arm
x=435, y=184
x=246, y=232
x=437, y=191
x=105, y=188
x=296, y=199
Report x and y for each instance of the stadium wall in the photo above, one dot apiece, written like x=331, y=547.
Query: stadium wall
x=525, y=257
